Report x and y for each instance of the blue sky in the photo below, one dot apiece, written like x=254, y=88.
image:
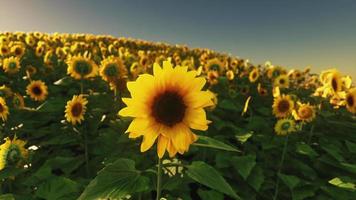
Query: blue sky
x=294, y=34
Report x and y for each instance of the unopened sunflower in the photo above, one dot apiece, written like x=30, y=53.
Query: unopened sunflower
x=304, y=112
x=351, y=100
x=11, y=65
x=282, y=106
x=37, y=90
x=165, y=106
x=4, y=110
x=12, y=152
x=75, y=109
x=81, y=67
x=285, y=127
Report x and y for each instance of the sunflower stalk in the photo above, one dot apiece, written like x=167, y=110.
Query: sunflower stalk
x=280, y=167
x=159, y=179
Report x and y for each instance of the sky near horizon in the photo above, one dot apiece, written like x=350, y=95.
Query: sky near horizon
x=291, y=33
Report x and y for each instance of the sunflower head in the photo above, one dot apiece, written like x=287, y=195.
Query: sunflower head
x=37, y=90
x=285, y=127
x=12, y=152
x=351, y=100
x=81, y=67
x=214, y=65
x=304, y=112
x=282, y=106
x=4, y=110
x=112, y=69
x=165, y=106
x=254, y=75
x=282, y=81
x=18, y=50
x=75, y=109
x=230, y=75
x=18, y=101
x=11, y=65
x=4, y=50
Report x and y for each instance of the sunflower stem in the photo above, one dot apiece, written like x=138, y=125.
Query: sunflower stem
x=280, y=167
x=311, y=133
x=81, y=85
x=159, y=179
x=86, y=155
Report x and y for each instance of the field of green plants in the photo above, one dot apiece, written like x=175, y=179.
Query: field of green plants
x=97, y=117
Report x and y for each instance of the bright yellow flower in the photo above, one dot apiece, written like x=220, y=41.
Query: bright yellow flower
x=282, y=81
x=254, y=75
x=284, y=127
x=304, y=112
x=351, y=100
x=37, y=90
x=81, y=67
x=282, y=106
x=75, y=109
x=11, y=65
x=4, y=110
x=12, y=152
x=165, y=106
x=112, y=69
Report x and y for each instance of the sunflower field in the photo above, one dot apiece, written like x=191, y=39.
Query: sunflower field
x=97, y=117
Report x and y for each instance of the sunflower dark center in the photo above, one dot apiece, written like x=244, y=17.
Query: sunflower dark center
x=77, y=109
x=13, y=154
x=1, y=108
x=37, y=90
x=111, y=70
x=283, y=106
x=286, y=125
x=282, y=81
x=215, y=67
x=168, y=108
x=12, y=65
x=350, y=101
x=305, y=112
x=334, y=84
x=83, y=68
x=18, y=51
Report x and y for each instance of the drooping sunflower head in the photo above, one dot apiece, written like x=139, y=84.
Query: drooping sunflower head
x=37, y=90
x=284, y=127
x=165, y=106
x=18, y=101
x=351, y=100
x=81, y=67
x=112, y=69
x=282, y=106
x=282, y=81
x=4, y=110
x=304, y=112
x=75, y=109
x=11, y=65
x=12, y=152
x=254, y=75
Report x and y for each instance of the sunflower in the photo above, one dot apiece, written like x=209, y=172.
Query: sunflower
x=81, y=67
x=4, y=50
x=282, y=81
x=284, y=127
x=112, y=69
x=18, y=50
x=75, y=109
x=18, y=101
x=335, y=81
x=261, y=90
x=254, y=74
x=11, y=65
x=282, y=106
x=304, y=112
x=351, y=100
x=165, y=106
x=214, y=65
x=4, y=110
x=212, y=77
x=230, y=75
x=37, y=90
x=12, y=152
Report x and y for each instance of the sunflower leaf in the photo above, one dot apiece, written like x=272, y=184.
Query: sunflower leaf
x=209, y=142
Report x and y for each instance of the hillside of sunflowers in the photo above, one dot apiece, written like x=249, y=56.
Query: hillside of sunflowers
x=97, y=117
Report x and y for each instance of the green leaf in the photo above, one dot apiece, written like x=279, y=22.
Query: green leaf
x=256, y=178
x=243, y=138
x=228, y=105
x=210, y=195
x=301, y=193
x=351, y=146
x=58, y=188
x=7, y=197
x=290, y=180
x=244, y=164
x=306, y=150
x=208, y=176
x=205, y=141
x=342, y=184
x=116, y=181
